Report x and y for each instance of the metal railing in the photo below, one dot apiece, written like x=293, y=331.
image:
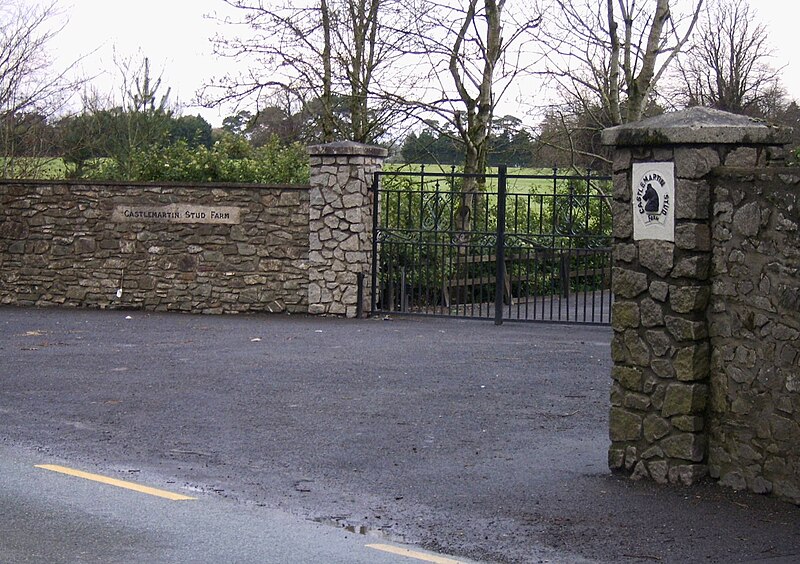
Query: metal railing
x=446, y=243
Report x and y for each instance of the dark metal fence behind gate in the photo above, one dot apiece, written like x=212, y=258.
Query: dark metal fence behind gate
x=521, y=248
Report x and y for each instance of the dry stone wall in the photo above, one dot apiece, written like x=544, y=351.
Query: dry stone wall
x=209, y=249
x=754, y=324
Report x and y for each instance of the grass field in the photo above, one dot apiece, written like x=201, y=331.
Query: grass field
x=519, y=180
x=37, y=168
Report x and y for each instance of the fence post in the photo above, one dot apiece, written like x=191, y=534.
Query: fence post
x=340, y=221
x=500, y=252
x=375, y=227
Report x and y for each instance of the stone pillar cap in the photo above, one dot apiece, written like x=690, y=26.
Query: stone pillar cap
x=697, y=125
x=347, y=148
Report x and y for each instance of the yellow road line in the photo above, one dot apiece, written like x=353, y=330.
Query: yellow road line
x=413, y=554
x=113, y=482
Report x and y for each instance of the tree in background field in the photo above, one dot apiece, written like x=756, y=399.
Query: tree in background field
x=473, y=51
x=727, y=66
x=193, y=130
x=117, y=129
x=606, y=60
x=31, y=91
x=331, y=57
x=509, y=141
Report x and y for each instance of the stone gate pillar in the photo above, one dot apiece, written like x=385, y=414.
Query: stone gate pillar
x=661, y=348
x=340, y=225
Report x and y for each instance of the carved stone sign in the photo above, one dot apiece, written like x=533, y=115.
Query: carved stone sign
x=176, y=213
x=654, y=201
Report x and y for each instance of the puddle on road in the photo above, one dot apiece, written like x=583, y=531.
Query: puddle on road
x=364, y=530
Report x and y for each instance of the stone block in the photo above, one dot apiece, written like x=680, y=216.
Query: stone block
x=693, y=237
x=687, y=299
x=655, y=428
x=619, y=352
x=733, y=479
x=742, y=157
x=685, y=446
x=622, y=160
x=625, y=252
x=659, y=471
x=85, y=245
x=624, y=425
x=187, y=263
x=629, y=377
x=659, y=290
x=659, y=342
x=657, y=256
x=625, y=314
x=747, y=220
x=684, y=399
x=628, y=283
x=146, y=282
x=616, y=458
x=696, y=267
x=652, y=314
x=663, y=368
x=694, y=162
x=638, y=351
x=640, y=471
x=638, y=402
x=617, y=395
x=759, y=485
x=653, y=452
x=621, y=187
x=692, y=199
x=631, y=456
x=76, y=293
x=688, y=423
x=784, y=429
x=685, y=329
x=622, y=227
x=687, y=474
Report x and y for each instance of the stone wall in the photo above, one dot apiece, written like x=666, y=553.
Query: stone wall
x=71, y=244
x=705, y=351
x=754, y=323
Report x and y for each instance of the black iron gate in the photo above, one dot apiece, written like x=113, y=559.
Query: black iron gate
x=525, y=248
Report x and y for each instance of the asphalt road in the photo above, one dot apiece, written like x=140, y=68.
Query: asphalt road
x=457, y=437
x=55, y=518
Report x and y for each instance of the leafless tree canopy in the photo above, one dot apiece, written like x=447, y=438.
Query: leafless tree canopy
x=727, y=65
x=606, y=58
x=335, y=58
x=611, y=55
x=474, y=50
x=30, y=89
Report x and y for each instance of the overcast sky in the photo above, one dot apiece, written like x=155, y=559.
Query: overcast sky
x=175, y=35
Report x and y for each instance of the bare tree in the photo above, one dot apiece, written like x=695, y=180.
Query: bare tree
x=727, y=66
x=334, y=56
x=28, y=84
x=474, y=51
x=607, y=58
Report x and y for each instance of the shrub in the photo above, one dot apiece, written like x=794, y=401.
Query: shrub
x=231, y=159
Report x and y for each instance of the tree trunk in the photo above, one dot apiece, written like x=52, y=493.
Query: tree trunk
x=327, y=88
x=479, y=109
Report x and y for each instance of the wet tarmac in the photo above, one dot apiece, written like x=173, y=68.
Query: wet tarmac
x=460, y=436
